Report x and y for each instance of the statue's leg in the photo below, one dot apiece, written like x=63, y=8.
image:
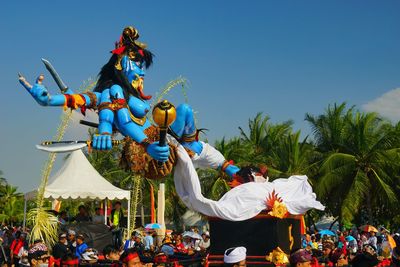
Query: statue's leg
x=184, y=129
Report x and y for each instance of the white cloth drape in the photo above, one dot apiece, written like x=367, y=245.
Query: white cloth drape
x=242, y=202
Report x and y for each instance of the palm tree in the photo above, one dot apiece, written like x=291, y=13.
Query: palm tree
x=12, y=210
x=292, y=157
x=263, y=137
x=329, y=128
x=357, y=147
x=3, y=181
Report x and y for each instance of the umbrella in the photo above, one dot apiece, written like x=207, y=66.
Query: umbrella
x=326, y=232
x=192, y=235
x=368, y=228
x=350, y=238
x=153, y=226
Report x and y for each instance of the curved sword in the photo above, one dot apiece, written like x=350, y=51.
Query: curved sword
x=63, y=87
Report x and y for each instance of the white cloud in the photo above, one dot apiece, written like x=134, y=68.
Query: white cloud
x=387, y=105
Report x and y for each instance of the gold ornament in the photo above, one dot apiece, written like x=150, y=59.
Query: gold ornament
x=277, y=257
x=164, y=114
x=279, y=210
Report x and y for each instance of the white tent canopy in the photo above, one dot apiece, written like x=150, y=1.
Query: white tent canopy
x=78, y=179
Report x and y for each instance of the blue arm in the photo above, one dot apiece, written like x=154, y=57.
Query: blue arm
x=102, y=141
x=39, y=92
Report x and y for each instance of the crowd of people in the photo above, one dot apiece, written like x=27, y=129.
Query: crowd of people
x=353, y=248
x=141, y=249
x=149, y=247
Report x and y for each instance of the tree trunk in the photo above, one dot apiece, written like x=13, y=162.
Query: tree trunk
x=369, y=209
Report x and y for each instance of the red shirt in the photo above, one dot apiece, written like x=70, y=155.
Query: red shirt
x=16, y=245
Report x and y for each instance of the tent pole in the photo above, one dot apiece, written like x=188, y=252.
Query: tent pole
x=24, y=224
x=105, y=211
x=129, y=216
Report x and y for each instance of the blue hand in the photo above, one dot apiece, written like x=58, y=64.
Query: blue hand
x=159, y=153
x=38, y=91
x=231, y=170
x=101, y=142
x=40, y=94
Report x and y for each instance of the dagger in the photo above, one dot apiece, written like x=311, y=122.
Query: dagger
x=63, y=87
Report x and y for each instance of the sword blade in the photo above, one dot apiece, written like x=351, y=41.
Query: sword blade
x=63, y=87
x=61, y=148
x=67, y=146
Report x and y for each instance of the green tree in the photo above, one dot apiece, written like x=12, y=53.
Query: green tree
x=292, y=156
x=262, y=138
x=357, y=148
x=12, y=209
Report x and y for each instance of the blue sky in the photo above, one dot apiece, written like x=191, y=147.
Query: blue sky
x=283, y=58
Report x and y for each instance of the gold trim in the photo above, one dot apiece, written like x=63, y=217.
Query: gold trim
x=138, y=121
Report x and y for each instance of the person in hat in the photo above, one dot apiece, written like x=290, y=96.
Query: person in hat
x=235, y=257
x=38, y=255
x=205, y=241
x=367, y=258
x=300, y=258
x=71, y=237
x=61, y=248
x=81, y=246
x=327, y=248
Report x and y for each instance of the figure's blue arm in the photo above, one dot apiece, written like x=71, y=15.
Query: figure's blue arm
x=39, y=92
x=102, y=140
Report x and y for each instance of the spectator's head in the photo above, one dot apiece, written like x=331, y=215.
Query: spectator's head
x=63, y=214
x=206, y=236
x=130, y=258
x=300, y=258
x=80, y=239
x=235, y=257
x=111, y=253
x=372, y=233
x=38, y=255
x=187, y=239
x=137, y=237
x=327, y=247
x=313, y=238
x=22, y=236
x=62, y=238
x=17, y=234
x=82, y=210
x=97, y=211
x=339, y=257
x=117, y=205
x=367, y=248
x=71, y=235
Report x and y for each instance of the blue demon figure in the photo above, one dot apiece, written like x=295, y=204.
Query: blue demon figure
x=122, y=106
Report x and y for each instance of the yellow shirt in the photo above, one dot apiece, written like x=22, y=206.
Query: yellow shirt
x=116, y=218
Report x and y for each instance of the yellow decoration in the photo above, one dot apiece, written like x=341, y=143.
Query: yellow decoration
x=164, y=114
x=291, y=239
x=279, y=210
x=277, y=257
